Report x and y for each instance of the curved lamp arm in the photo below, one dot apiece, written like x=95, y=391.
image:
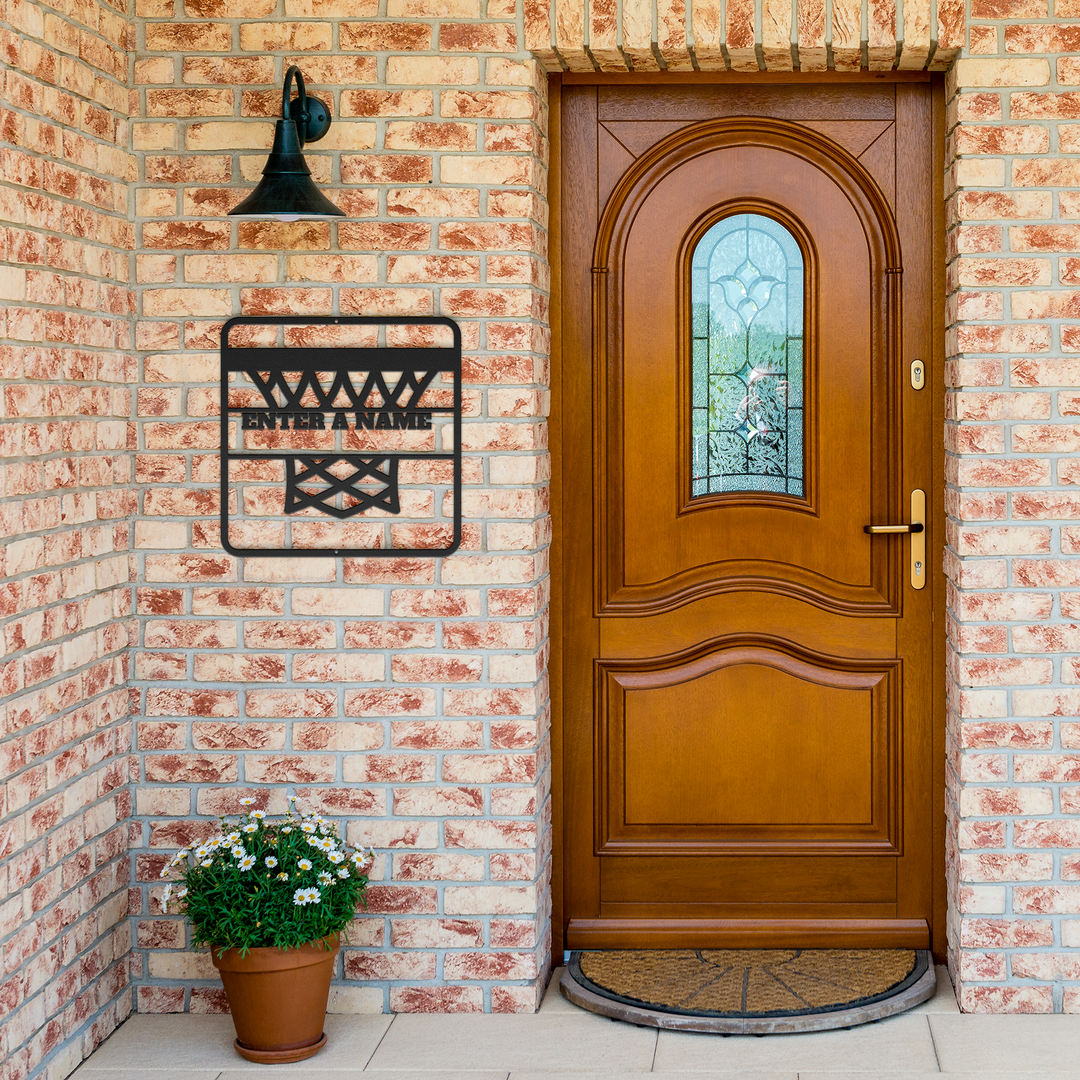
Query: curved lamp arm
x=310, y=115
x=286, y=103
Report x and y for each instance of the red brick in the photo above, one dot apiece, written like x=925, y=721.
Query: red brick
x=385, y=965
x=283, y=634
x=437, y=802
x=436, y=999
x=174, y=702
x=389, y=768
x=237, y=736
x=436, y=734
x=385, y=37
x=401, y=900
x=425, y=867
x=296, y=703
x=191, y=768
x=283, y=769
x=436, y=933
x=350, y=801
x=384, y=702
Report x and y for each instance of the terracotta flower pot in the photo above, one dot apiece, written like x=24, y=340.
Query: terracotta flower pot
x=278, y=999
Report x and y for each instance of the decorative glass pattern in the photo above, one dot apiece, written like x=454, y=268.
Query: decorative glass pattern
x=747, y=297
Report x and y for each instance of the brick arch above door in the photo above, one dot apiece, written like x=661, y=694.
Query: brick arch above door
x=744, y=35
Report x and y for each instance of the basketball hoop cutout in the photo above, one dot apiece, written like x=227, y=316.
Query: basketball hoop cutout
x=340, y=449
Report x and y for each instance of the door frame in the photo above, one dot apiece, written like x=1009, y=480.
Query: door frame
x=936, y=501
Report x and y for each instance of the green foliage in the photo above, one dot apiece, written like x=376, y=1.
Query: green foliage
x=260, y=883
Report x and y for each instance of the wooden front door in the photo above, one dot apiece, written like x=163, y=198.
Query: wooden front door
x=749, y=753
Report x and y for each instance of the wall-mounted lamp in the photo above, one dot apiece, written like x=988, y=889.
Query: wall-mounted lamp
x=286, y=191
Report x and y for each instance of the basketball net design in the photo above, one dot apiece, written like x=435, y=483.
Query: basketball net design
x=362, y=482
x=318, y=481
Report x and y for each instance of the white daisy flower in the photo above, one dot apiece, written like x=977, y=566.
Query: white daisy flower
x=238, y=851
x=247, y=862
x=165, y=897
x=325, y=843
x=232, y=837
x=201, y=851
x=343, y=872
x=336, y=857
x=325, y=879
x=258, y=815
x=207, y=862
x=251, y=826
x=270, y=861
x=181, y=893
x=247, y=802
x=304, y=864
x=283, y=876
x=306, y=896
x=309, y=827
x=287, y=829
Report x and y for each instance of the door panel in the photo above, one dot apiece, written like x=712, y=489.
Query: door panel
x=814, y=759
x=720, y=542
x=748, y=744
x=801, y=755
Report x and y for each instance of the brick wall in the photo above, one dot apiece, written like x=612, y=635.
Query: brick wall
x=66, y=379
x=407, y=698
x=1012, y=434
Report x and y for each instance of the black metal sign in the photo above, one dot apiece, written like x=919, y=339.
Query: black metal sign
x=341, y=435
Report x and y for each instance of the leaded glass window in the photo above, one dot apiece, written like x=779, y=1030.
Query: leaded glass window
x=747, y=297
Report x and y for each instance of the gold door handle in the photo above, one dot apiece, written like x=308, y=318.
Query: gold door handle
x=917, y=529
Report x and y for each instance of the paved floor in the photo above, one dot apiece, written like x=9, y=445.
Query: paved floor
x=931, y=1040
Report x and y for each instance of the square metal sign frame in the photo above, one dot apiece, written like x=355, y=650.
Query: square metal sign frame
x=416, y=367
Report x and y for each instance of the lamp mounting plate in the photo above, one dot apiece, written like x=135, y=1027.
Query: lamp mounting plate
x=318, y=121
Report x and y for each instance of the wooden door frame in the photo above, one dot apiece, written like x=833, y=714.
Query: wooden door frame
x=936, y=501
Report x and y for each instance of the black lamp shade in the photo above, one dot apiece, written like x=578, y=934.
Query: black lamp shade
x=286, y=190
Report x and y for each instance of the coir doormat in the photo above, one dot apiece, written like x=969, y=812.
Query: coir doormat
x=750, y=990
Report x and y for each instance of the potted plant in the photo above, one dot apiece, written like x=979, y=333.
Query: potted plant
x=271, y=899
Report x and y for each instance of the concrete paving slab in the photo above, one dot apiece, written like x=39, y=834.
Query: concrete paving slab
x=147, y=1073
x=206, y=1043
x=721, y=1075
x=982, y=1044
x=877, y=1075
x=944, y=999
x=358, y=1074
x=900, y=1044
x=553, y=1044
x=553, y=1001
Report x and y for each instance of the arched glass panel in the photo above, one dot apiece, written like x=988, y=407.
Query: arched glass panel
x=747, y=297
